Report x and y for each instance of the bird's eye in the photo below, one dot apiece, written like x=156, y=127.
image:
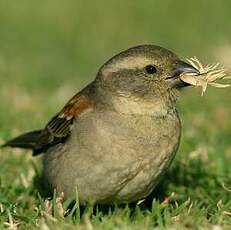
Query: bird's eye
x=150, y=69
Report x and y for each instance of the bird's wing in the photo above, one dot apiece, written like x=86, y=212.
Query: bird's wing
x=59, y=127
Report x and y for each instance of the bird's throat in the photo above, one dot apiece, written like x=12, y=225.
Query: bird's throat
x=134, y=106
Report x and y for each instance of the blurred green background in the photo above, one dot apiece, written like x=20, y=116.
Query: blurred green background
x=46, y=46
x=50, y=49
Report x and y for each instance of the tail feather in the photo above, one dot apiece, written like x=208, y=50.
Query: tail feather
x=26, y=140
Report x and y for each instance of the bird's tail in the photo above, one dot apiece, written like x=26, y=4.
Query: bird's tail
x=26, y=140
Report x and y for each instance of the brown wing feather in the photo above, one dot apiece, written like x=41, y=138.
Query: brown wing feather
x=58, y=128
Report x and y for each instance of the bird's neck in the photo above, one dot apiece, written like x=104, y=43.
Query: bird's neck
x=157, y=108
x=130, y=104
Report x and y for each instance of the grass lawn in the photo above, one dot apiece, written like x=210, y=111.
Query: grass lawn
x=50, y=50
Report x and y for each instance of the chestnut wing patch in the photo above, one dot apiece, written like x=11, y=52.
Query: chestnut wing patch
x=59, y=127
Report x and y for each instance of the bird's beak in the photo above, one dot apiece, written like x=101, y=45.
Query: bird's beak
x=181, y=67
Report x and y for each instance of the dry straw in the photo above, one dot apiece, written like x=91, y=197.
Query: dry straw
x=207, y=75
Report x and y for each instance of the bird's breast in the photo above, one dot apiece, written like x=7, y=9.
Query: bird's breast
x=113, y=157
x=135, y=135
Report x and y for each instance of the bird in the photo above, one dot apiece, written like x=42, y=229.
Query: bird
x=114, y=140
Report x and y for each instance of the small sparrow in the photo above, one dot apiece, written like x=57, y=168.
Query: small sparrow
x=115, y=138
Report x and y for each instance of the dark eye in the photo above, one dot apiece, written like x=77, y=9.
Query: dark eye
x=150, y=69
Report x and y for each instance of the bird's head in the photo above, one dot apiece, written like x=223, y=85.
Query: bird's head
x=146, y=72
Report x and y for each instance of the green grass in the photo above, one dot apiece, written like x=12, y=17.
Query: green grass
x=49, y=50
